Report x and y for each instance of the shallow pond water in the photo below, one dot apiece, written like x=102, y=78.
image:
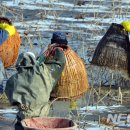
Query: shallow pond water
x=84, y=24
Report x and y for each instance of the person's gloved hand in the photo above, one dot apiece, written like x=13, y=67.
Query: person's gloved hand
x=52, y=48
x=40, y=59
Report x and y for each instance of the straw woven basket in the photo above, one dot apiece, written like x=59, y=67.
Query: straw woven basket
x=112, y=50
x=10, y=48
x=74, y=81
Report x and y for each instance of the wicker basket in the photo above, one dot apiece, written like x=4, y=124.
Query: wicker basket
x=10, y=48
x=74, y=81
x=112, y=50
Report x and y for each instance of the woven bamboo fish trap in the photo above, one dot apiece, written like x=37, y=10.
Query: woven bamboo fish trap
x=74, y=81
x=10, y=48
x=112, y=50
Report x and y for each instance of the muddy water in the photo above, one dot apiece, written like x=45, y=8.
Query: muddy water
x=88, y=118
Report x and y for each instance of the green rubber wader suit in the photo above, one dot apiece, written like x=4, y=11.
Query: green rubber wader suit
x=31, y=86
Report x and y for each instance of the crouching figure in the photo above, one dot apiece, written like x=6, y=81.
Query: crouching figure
x=29, y=89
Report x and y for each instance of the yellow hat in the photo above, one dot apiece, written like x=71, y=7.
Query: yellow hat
x=9, y=28
x=3, y=26
x=126, y=25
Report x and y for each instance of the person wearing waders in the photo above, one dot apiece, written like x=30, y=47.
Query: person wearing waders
x=29, y=89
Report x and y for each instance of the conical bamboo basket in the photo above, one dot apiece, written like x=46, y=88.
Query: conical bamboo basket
x=74, y=81
x=112, y=50
x=10, y=48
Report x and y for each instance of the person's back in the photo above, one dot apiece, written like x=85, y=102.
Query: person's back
x=31, y=86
